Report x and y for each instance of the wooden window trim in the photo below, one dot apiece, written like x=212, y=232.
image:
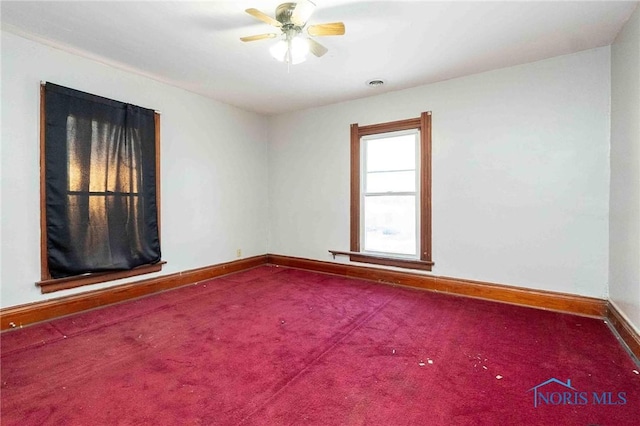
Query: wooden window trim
x=377, y=259
x=48, y=284
x=423, y=124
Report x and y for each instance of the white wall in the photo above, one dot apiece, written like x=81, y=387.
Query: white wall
x=520, y=173
x=213, y=167
x=624, y=218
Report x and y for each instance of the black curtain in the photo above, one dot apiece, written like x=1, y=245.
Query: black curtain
x=100, y=183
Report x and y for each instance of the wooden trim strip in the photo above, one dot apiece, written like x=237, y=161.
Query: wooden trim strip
x=397, y=262
x=425, y=186
x=355, y=189
x=22, y=315
x=388, y=261
x=626, y=332
x=392, y=126
x=553, y=301
x=44, y=261
x=57, y=284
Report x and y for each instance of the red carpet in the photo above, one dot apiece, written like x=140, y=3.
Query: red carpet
x=282, y=346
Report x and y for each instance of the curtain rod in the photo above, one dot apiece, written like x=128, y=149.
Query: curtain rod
x=43, y=83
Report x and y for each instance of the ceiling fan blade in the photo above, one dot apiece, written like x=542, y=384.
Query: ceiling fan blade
x=258, y=37
x=263, y=17
x=302, y=12
x=316, y=48
x=333, y=28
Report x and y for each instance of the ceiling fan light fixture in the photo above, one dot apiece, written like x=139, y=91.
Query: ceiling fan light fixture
x=294, y=49
x=291, y=19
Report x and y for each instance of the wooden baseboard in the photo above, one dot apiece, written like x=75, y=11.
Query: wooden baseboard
x=559, y=302
x=626, y=332
x=22, y=315
x=18, y=316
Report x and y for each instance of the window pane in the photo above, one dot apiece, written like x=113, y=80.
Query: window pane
x=391, y=153
x=404, y=181
x=390, y=224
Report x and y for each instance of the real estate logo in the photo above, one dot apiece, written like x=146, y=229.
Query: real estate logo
x=565, y=394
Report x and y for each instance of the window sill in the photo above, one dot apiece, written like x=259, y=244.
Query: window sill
x=57, y=284
x=397, y=262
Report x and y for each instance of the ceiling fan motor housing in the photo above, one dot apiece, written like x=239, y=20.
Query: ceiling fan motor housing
x=284, y=13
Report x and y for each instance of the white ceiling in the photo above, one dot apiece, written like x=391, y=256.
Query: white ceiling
x=196, y=46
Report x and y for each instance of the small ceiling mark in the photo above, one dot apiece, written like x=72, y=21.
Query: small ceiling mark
x=376, y=82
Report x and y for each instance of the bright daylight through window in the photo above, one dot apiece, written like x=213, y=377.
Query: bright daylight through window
x=389, y=187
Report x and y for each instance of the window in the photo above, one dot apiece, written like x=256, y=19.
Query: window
x=391, y=193
x=99, y=189
x=388, y=193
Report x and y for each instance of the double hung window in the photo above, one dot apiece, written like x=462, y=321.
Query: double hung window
x=391, y=193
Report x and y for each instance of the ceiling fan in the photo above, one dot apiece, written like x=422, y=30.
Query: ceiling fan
x=291, y=19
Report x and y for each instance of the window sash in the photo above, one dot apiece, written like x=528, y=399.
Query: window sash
x=365, y=194
x=390, y=237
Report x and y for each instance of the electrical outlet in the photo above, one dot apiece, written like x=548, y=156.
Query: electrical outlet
x=239, y=253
